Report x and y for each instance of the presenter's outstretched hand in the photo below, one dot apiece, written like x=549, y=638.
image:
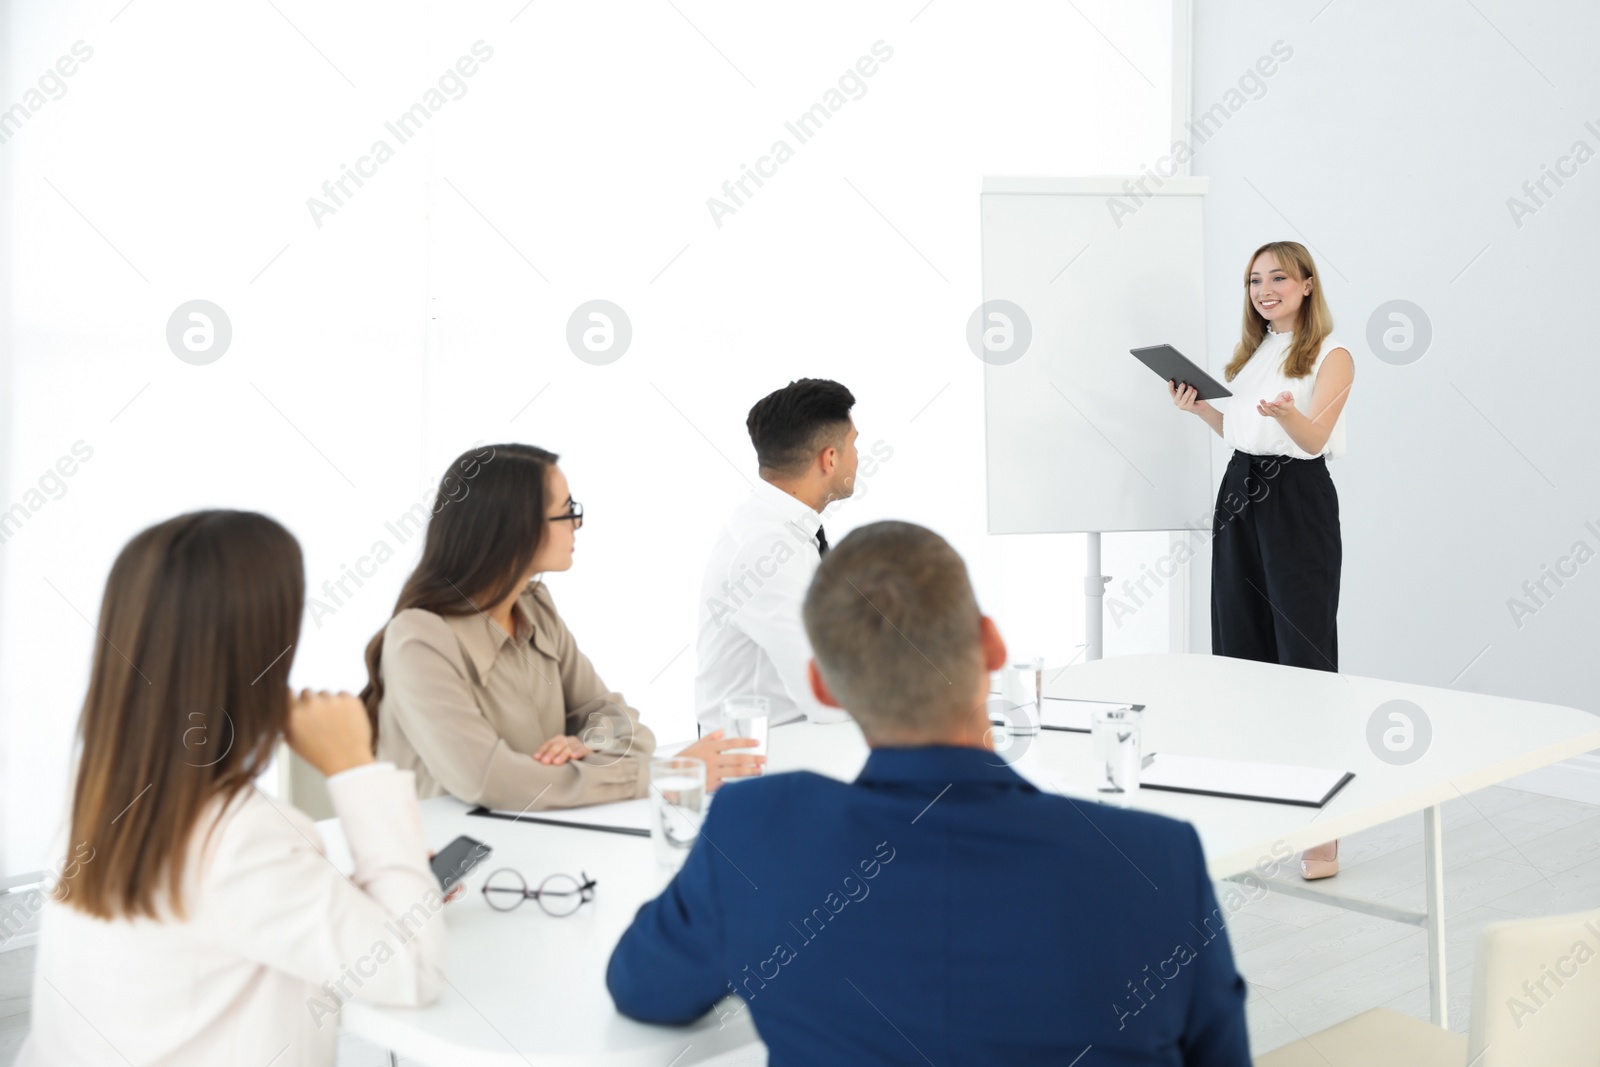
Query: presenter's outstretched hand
x=1278, y=406
x=1186, y=397
x=722, y=759
x=330, y=731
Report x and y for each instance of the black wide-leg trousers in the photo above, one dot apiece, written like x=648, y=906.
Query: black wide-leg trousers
x=1275, y=559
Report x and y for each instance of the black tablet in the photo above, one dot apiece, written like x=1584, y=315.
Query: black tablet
x=1173, y=366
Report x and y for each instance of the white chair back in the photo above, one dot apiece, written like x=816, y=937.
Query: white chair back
x=1536, y=993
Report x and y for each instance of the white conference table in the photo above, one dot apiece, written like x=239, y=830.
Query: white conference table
x=527, y=989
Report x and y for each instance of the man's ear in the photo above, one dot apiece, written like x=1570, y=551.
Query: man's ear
x=819, y=688
x=994, y=646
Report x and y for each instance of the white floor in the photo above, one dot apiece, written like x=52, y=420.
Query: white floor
x=1508, y=854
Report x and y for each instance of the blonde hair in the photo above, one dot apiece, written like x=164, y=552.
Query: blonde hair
x=1315, y=321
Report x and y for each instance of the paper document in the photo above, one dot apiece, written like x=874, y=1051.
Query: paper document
x=622, y=817
x=1280, y=783
x=1064, y=713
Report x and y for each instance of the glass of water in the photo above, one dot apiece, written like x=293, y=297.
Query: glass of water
x=1021, y=688
x=1118, y=747
x=747, y=717
x=677, y=807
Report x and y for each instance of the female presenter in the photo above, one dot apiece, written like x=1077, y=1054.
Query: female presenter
x=1275, y=547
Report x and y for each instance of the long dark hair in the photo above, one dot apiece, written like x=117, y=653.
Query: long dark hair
x=488, y=522
x=188, y=694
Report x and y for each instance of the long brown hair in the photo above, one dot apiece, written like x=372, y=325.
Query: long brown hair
x=486, y=527
x=188, y=694
x=1315, y=321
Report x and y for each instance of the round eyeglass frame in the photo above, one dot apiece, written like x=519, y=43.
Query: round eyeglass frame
x=558, y=896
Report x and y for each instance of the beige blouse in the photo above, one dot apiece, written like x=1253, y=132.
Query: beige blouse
x=465, y=705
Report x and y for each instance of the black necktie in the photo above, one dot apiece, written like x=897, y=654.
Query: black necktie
x=822, y=543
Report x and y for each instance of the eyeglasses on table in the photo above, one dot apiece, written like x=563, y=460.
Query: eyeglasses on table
x=559, y=895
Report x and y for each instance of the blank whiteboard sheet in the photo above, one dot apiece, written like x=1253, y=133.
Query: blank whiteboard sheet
x=1080, y=436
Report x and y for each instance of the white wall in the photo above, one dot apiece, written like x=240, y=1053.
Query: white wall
x=5, y=405
x=414, y=320
x=1390, y=143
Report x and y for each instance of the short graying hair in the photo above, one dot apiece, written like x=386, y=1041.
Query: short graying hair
x=894, y=628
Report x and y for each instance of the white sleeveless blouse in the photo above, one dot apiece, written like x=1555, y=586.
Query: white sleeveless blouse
x=1262, y=378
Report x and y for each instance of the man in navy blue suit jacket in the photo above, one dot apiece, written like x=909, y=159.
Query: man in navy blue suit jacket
x=939, y=909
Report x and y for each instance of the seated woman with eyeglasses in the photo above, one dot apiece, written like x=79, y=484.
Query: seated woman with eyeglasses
x=194, y=920
x=477, y=685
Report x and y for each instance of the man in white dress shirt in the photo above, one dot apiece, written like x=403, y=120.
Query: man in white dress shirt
x=751, y=639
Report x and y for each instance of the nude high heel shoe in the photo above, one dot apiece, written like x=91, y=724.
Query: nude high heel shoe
x=1320, y=862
